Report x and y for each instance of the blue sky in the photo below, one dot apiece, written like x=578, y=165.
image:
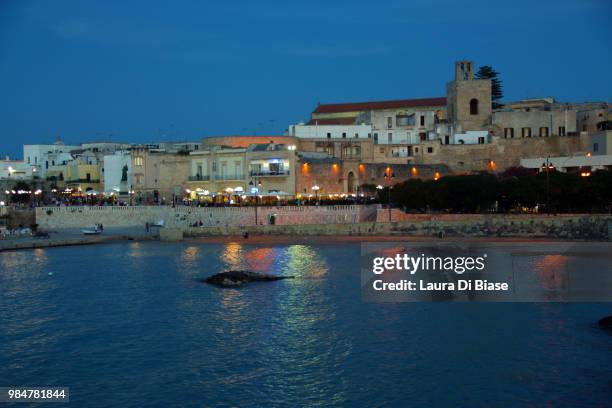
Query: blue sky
x=159, y=70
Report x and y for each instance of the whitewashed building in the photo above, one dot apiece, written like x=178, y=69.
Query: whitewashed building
x=582, y=163
x=43, y=156
x=15, y=170
x=315, y=131
x=113, y=171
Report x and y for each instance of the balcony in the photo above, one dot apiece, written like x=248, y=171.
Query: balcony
x=229, y=177
x=76, y=181
x=199, y=178
x=269, y=173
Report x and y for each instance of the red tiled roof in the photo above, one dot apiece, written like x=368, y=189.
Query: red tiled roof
x=364, y=106
x=332, y=121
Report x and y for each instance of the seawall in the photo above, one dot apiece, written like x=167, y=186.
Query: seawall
x=183, y=217
x=591, y=227
x=331, y=220
x=55, y=241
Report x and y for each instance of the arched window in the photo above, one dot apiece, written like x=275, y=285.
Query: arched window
x=474, y=107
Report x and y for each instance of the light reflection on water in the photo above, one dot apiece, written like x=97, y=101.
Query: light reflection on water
x=116, y=322
x=552, y=271
x=292, y=260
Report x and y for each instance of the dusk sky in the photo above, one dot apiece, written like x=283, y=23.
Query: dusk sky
x=150, y=71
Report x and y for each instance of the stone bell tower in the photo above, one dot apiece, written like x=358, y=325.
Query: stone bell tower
x=468, y=100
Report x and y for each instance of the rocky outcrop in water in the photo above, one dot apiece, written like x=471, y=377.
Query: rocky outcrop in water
x=232, y=279
x=605, y=323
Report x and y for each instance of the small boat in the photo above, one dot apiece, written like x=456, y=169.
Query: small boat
x=94, y=231
x=159, y=223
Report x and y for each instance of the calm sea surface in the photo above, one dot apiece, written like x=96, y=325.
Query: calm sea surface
x=131, y=325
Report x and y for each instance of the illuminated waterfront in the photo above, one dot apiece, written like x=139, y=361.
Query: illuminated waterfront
x=131, y=325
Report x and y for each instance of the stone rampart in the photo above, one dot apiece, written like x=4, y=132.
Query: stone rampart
x=587, y=227
x=183, y=217
x=331, y=220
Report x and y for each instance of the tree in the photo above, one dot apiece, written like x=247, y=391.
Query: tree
x=21, y=198
x=518, y=172
x=513, y=190
x=497, y=93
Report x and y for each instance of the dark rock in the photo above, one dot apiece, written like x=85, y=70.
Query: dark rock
x=605, y=323
x=237, y=278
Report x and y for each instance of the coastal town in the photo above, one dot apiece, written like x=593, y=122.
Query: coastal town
x=305, y=203
x=340, y=151
x=345, y=154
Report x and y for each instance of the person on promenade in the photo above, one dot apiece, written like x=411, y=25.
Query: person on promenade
x=147, y=226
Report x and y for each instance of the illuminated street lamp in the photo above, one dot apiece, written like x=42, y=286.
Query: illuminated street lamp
x=547, y=166
x=254, y=182
x=389, y=176
x=254, y=189
x=131, y=195
x=316, y=188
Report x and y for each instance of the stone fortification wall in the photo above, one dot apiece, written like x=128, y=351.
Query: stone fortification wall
x=582, y=227
x=80, y=217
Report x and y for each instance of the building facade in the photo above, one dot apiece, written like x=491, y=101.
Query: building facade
x=16, y=170
x=256, y=170
x=534, y=118
x=158, y=176
x=601, y=143
x=43, y=156
x=118, y=172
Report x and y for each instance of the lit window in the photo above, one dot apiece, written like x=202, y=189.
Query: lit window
x=138, y=161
